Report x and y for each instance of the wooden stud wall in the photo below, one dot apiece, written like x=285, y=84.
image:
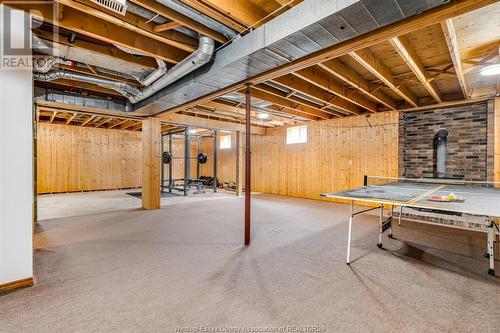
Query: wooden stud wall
x=72, y=158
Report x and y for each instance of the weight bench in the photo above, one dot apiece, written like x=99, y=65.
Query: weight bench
x=198, y=184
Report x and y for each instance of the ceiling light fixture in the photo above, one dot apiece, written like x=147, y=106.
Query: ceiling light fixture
x=192, y=131
x=490, y=70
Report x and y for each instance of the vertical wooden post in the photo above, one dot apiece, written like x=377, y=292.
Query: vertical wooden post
x=239, y=163
x=151, y=163
x=247, y=166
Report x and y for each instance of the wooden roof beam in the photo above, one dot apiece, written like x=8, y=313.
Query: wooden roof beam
x=88, y=120
x=105, y=50
x=244, y=12
x=295, y=99
x=281, y=101
x=133, y=23
x=416, y=22
x=132, y=123
x=293, y=112
x=70, y=119
x=105, y=121
x=166, y=26
x=188, y=22
x=99, y=29
x=304, y=87
x=315, y=75
x=136, y=127
x=412, y=60
x=215, y=14
x=349, y=75
x=53, y=116
x=186, y=120
x=118, y=123
x=452, y=43
x=368, y=60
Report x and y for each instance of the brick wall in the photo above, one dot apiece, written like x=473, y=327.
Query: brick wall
x=468, y=143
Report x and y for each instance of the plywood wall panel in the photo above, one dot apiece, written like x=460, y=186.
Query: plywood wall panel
x=337, y=155
x=72, y=158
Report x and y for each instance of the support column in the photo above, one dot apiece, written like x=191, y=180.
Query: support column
x=162, y=168
x=170, y=168
x=151, y=163
x=247, y=165
x=215, y=158
x=187, y=160
x=239, y=163
x=197, y=152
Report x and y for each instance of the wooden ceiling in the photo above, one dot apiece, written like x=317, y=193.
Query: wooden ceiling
x=429, y=64
x=432, y=65
x=72, y=115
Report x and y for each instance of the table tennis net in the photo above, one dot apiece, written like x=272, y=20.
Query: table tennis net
x=382, y=181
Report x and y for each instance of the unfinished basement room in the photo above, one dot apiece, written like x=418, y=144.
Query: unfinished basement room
x=249, y=166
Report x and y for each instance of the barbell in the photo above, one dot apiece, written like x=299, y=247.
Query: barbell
x=167, y=157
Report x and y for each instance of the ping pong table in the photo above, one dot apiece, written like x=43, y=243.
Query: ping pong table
x=472, y=198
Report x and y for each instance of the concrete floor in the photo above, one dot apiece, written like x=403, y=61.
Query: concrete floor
x=184, y=266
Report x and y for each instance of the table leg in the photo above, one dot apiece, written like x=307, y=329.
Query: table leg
x=400, y=213
x=392, y=220
x=381, y=226
x=491, y=250
x=351, y=209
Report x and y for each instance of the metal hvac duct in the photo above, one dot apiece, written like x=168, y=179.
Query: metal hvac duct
x=123, y=88
x=195, y=60
x=199, y=17
x=154, y=75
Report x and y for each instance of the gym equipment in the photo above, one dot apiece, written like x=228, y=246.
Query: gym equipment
x=201, y=158
x=167, y=157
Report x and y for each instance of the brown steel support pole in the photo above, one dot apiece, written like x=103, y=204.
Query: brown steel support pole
x=247, y=166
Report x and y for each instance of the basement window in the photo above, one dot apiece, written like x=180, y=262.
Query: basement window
x=296, y=134
x=225, y=142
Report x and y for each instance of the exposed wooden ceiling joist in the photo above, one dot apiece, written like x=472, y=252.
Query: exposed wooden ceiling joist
x=88, y=120
x=286, y=103
x=452, y=43
x=133, y=23
x=411, y=59
x=368, y=60
x=166, y=26
x=99, y=29
x=349, y=75
x=158, y=8
x=245, y=12
x=313, y=91
x=318, y=77
x=106, y=50
x=215, y=14
x=427, y=18
x=185, y=120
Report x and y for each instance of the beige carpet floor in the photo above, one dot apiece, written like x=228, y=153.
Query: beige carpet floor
x=183, y=269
